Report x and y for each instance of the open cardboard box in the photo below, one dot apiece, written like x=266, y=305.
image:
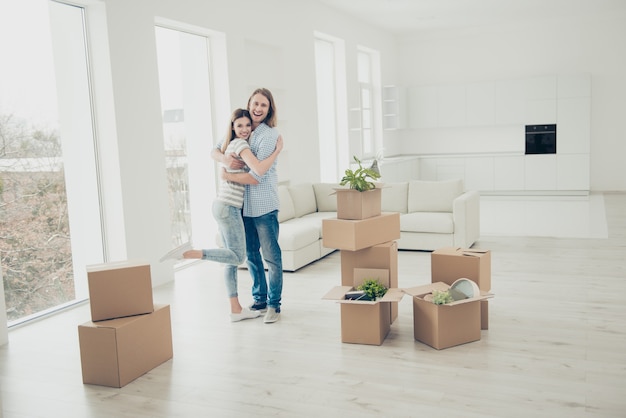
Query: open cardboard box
x=365, y=321
x=448, y=264
x=443, y=326
x=353, y=204
x=381, y=256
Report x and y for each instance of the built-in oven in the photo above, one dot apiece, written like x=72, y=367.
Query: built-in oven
x=541, y=139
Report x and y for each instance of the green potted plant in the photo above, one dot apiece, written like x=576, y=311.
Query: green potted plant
x=362, y=199
x=358, y=179
x=372, y=288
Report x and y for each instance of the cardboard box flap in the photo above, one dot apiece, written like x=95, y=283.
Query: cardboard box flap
x=347, y=188
x=425, y=289
x=338, y=294
x=420, y=291
x=483, y=296
x=362, y=274
x=392, y=295
x=474, y=253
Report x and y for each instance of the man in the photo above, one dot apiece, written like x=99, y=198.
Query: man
x=260, y=207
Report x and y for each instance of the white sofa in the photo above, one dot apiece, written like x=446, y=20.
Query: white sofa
x=433, y=214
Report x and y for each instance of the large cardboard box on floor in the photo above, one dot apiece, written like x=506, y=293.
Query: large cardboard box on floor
x=115, y=352
x=119, y=289
x=356, y=235
x=449, y=264
x=443, y=326
x=381, y=256
x=353, y=204
x=365, y=322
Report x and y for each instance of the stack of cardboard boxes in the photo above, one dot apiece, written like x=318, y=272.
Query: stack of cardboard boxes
x=366, y=238
x=128, y=334
x=459, y=322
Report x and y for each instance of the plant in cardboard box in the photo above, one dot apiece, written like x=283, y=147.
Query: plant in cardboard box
x=358, y=179
x=441, y=297
x=372, y=288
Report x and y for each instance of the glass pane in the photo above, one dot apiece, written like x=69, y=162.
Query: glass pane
x=183, y=60
x=366, y=98
x=363, y=67
x=368, y=147
x=326, y=109
x=366, y=122
x=50, y=216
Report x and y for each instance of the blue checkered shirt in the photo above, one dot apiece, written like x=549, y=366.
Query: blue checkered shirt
x=262, y=198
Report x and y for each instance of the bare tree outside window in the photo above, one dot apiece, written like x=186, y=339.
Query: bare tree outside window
x=34, y=228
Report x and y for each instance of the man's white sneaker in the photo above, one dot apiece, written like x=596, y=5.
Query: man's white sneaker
x=244, y=314
x=177, y=253
x=272, y=315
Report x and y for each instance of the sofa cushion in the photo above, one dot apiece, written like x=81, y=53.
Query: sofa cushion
x=286, y=210
x=394, y=197
x=427, y=222
x=433, y=196
x=315, y=219
x=325, y=196
x=303, y=199
x=294, y=235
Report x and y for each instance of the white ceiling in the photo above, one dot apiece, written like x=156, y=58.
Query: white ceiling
x=407, y=16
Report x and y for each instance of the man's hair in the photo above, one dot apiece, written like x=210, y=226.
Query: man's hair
x=270, y=119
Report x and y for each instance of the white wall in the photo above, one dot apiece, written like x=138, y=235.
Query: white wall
x=269, y=44
x=593, y=45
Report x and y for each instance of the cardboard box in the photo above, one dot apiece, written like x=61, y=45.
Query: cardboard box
x=449, y=264
x=484, y=314
x=356, y=235
x=364, y=322
x=115, y=352
x=381, y=256
x=119, y=289
x=443, y=326
x=352, y=204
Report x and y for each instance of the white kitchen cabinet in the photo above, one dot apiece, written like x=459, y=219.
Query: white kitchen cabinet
x=540, y=172
x=451, y=108
x=423, y=107
x=573, y=135
x=481, y=104
x=479, y=173
x=395, y=170
x=508, y=173
x=572, y=172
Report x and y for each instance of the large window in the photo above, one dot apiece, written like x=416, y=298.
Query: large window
x=50, y=220
x=188, y=96
x=331, y=107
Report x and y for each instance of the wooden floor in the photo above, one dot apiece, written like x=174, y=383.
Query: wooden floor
x=556, y=347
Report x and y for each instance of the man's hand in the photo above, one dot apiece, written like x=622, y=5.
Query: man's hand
x=231, y=162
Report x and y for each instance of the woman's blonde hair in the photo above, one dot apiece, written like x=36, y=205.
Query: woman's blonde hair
x=230, y=133
x=270, y=119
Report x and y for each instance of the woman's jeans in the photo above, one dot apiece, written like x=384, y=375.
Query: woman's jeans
x=230, y=223
x=262, y=233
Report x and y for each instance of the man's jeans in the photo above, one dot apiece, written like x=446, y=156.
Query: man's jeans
x=262, y=233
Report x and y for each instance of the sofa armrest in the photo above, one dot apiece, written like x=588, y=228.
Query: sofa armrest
x=466, y=216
